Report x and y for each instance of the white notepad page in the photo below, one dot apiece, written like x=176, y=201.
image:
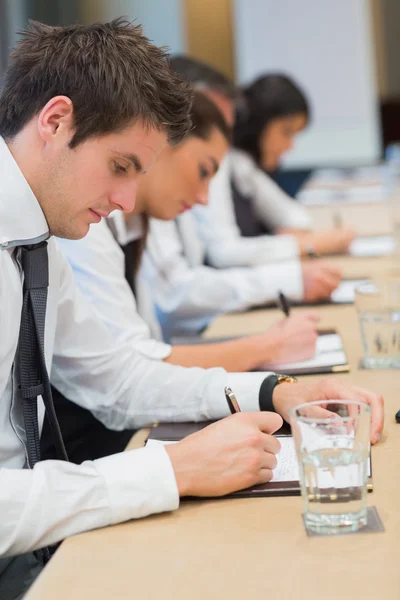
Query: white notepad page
x=345, y=292
x=368, y=246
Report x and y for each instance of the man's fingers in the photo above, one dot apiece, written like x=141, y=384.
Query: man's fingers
x=339, y=391
x=376, y=403
x=317, y=412
x=271, y=445
x=269, y=461
x=268, y=422
x=265, y=475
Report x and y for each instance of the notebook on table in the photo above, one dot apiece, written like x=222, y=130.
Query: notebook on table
x=346, y=290
x=285, y=481
x=374, y=245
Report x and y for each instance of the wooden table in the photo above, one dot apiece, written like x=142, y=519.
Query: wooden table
x=252, y=547
x=367, y=218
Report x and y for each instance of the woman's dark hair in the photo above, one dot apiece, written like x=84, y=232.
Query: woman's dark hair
x=206, y=116
x=267, y=98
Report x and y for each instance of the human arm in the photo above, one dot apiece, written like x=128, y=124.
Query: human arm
x=290, y=339
x=56, y=499
x=330, y=241
x=189, y=295
x=225, y=245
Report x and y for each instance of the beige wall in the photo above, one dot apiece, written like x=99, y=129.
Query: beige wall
x=209, y=32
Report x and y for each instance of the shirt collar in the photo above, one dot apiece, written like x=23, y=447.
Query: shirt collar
x=125, y=230
x=21, y=219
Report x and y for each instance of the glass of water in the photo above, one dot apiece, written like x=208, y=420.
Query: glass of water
x=378, y=307
x=332, y=441
x=392, y=185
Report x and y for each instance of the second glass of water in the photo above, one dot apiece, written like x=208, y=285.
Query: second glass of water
x=378, y=307
x=332, y=441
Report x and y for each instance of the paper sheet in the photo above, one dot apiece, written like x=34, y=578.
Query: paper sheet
x=287, y=468
x=368, y=246
x=329, y=352
x=345, y=292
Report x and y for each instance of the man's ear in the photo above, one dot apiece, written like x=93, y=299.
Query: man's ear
x=55, y=121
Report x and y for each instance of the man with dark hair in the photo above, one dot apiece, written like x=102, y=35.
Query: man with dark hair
x=84, y=112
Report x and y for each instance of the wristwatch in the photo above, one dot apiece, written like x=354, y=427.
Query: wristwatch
x=267, y=389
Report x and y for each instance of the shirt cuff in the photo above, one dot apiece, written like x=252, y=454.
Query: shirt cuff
x=247, y=388
x=139, y=483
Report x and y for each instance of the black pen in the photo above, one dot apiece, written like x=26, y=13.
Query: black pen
x=231, y=400
x=283, y=304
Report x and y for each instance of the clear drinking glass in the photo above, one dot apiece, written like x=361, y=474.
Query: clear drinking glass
x=332, y=441
x=378, y=307
x=392, y=181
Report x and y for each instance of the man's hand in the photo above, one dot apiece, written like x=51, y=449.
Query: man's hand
x=319, y=280
x=227, y=456
x=288, y=395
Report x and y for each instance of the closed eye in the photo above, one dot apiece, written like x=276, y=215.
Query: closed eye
x=204, y=173
x=119, y=168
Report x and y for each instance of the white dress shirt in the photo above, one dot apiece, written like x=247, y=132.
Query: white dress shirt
x=58, y=499
x=225, y=245
x=99, y=268
x=188, y=295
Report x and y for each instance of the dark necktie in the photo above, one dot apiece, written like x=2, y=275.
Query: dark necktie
x=34, y=379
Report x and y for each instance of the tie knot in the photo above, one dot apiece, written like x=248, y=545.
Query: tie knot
x=34, y=261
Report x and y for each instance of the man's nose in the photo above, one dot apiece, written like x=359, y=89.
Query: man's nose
x=125, y=199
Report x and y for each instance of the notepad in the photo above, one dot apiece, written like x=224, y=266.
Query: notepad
x=369, y=246
x=329, y=356
x=345, y=292
x=287, y=468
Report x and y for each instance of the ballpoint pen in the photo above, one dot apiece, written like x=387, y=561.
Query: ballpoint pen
x=232, y=401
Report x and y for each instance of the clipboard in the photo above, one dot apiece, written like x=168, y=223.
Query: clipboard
x=174, y=432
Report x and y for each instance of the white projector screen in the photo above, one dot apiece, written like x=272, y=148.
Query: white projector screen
x=327, y=47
